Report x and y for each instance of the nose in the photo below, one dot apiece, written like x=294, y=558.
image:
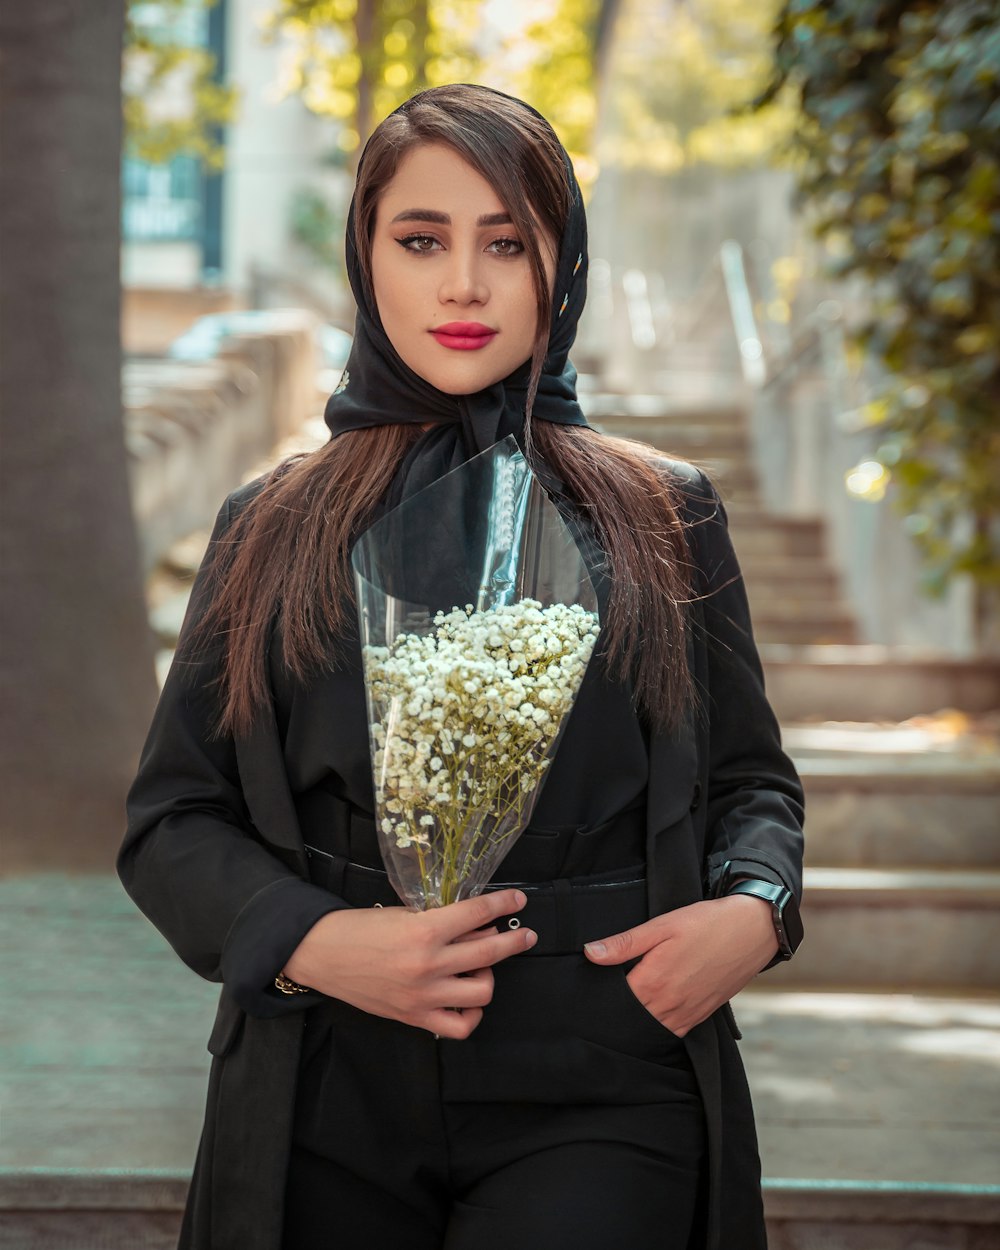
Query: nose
x=463, y=280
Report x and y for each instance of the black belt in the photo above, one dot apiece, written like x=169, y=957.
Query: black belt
x=565, y=913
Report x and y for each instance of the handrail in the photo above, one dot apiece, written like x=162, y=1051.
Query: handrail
x=748, y=339
x=640, y=310
x=822, y=330
x=762, y=368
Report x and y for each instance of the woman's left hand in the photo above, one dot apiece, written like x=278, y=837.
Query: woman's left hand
x=693, y=959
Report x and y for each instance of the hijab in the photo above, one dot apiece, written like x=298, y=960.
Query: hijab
x=377, y=388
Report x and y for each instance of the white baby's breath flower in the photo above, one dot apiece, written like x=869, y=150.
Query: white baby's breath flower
x=464, y=719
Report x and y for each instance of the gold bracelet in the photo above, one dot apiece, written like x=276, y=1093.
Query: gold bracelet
x=288, y=986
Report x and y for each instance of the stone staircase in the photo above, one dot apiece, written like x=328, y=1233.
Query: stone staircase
x=792, y=585
x=873, y=1056
x=903, y=861
x=878, y=1127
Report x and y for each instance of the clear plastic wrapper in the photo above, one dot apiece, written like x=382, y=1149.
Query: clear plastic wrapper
x=478, y=618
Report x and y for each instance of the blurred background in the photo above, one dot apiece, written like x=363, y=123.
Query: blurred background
x=795, y=240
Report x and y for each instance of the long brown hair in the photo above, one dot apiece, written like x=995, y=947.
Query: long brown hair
x=287, y=552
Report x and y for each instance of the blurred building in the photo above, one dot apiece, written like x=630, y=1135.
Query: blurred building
x=194, y=241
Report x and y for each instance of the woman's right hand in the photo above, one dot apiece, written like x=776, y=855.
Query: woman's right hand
x=412, y=966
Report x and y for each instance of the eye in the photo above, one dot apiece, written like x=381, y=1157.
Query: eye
x=419, y=243
x=507, y=247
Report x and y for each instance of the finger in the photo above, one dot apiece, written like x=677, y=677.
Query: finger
x=618, y=947
x=467, y=953
x=453, y=1024
x=472, y=913
x=472, y=989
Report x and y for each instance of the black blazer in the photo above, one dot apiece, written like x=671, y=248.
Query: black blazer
x=213, y=850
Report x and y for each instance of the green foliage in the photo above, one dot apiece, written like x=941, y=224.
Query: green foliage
x=678, y=82
x=172, y=103
x=901, y=146
x=318, y=228
x=559, y=72
x=357, y=60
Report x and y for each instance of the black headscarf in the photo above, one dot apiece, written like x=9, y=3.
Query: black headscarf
x=377, y=388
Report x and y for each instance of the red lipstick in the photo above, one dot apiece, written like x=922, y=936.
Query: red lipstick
x=464, y=336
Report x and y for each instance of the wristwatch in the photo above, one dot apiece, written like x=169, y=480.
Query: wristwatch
x=784, y=913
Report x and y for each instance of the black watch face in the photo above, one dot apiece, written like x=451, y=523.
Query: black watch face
x=792, y=923
x=787, y=922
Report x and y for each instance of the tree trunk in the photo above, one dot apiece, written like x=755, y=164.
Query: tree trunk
x=604, y=36
x=370, y=54
x=76, y=673
x=420, y=17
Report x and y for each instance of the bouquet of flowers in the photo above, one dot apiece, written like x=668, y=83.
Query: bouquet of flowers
x=466, y=704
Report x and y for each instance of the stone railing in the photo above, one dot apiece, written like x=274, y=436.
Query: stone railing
x=194, y=430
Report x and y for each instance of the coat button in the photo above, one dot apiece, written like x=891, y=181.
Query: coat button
x=696, y=796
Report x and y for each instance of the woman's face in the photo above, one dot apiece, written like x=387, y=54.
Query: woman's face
x=452, y=279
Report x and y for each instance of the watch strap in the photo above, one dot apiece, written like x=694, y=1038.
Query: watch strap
x=784, y=913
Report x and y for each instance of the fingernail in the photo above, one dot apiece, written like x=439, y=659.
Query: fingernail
x=530, y=937
x=596, y=948
x=520, y=898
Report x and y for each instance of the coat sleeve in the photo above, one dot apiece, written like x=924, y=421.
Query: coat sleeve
x=754, y=807
x=191, y=858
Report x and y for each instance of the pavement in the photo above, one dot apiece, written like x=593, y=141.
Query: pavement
x=103, y=1062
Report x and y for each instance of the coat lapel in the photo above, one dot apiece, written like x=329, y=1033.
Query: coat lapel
x=673, y=858
x=265, y=785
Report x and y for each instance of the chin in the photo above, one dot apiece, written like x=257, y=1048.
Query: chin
x=463, y=386
x=458, y=381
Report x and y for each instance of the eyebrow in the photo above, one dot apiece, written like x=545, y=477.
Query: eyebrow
x=443, y=219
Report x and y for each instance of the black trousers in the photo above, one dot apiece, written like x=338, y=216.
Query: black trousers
x=569, y=1120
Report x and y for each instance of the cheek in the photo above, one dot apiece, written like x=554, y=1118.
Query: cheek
x=389, y=288
x=527, y=313
x=381, y=291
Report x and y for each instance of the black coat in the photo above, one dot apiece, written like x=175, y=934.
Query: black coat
x=213, y=844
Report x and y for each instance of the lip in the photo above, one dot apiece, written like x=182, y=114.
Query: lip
x=464, y=336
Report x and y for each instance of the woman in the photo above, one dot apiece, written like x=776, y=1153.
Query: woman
x=454, y=1078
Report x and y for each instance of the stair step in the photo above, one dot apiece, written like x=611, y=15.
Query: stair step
x=873, y=683
x=890, y=1087
x=815, y=584
x=786, y=631
x=684, y=438
x=90, y=1209
x=860, y=1215
x=877, y=1116
x=923, y=809
x=757, y=517
x=609, y=408
x=787, y=572
x=730, y=474
x=899, y=928
x=141, y=1210
x=821, y=609
x=738, y=494
x=775, y=538
x=781, y=635
x=778, y=544
x=874, y=1096
x=687, y=441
